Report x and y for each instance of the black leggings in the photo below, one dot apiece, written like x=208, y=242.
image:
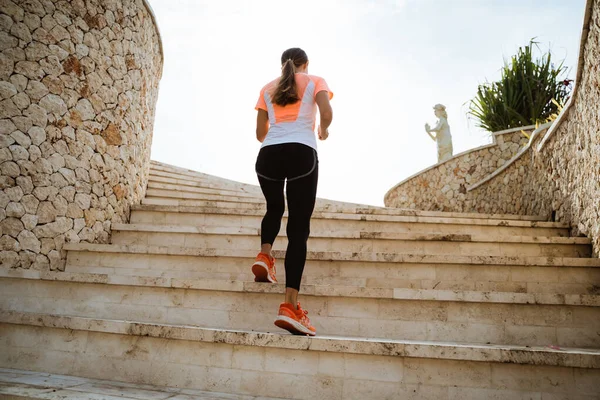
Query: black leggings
x=299, y=165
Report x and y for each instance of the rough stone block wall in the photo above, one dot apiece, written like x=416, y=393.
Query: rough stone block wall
x=560, y=180
x=563, y=177
x=78, y=87
x=443, y=187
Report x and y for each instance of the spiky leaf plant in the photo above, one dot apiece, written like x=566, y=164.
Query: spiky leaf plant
x=524, y=94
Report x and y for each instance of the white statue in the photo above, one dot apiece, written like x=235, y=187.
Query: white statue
x=442, y=137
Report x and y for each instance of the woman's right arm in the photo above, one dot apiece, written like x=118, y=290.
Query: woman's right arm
x=322, y=100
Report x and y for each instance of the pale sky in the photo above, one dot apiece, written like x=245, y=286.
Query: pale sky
x=387, y=61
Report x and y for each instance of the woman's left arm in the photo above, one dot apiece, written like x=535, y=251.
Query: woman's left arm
x=262, y=125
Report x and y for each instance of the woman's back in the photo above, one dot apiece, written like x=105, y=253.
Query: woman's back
x=293, y=123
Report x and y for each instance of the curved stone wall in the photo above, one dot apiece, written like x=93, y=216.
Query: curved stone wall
x=558, y=174
x=78, y=87
x=443, y=186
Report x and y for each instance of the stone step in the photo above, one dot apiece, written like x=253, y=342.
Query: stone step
x=346, y=207
x=203, y=178
x=371, y=257
x=155, y=168
x=166, y=197
x=204, y=185
x=164, y=235
x=474, y=317
x=294, y=367
x=21, y=384
x=223, y=183
x=227, y=203
x=200, y=190
x=194, y=177
x=159, y=196
x=432, y=272
x=364, y=235
x=325, y=221
x=352, y=209
x=168, y=190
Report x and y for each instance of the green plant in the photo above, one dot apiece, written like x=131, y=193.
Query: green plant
x=529, y=92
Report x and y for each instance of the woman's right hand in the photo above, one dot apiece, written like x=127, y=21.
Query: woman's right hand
x=326, y=113
x=323, y=133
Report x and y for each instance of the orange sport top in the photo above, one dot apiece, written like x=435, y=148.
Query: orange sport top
x=294, y=123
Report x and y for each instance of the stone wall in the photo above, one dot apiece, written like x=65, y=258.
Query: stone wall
x=559, y=174
x=78, y=87
x=444, y=186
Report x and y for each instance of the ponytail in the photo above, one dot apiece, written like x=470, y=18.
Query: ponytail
x=286, y=91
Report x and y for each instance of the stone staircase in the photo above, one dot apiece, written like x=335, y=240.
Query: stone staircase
x=407, y=304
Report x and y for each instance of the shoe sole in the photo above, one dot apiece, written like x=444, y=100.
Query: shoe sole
x=292, y=326
x=261, y=272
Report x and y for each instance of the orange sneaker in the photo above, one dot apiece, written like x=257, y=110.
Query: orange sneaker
x=294, y=321
x=264, y=269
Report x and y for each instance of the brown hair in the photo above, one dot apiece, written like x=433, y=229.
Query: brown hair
x=286, y=91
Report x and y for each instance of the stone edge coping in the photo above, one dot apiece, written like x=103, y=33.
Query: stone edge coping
x=514, y=159
x=579, y=262
x=399, y=236
x=514, y=130
x=223, y=285
x=567, y=357
x=158, y=34
x=356, y=217
x=18, y=384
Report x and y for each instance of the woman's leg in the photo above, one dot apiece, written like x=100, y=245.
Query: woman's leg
x=271, y=223
x=301, y=191
x=271, y=177
x=301, y=196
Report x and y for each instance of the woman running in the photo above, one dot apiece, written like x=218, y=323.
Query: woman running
x=285, y=126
